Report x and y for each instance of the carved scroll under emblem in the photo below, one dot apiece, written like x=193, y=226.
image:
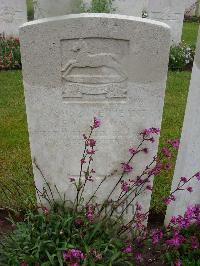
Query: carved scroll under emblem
x=90, y=72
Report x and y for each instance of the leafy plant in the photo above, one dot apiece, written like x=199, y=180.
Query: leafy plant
x=99, y=6
x=84, y=232
x=10, y=57
x=181, y=57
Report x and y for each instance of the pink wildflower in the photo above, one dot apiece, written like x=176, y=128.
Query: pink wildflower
x=190, y=189
x=127, y=168
x=97, y=122
x=91, y=152
x=149, y=188
x=197, y=175
x=132, y=151
x=177, y=263
x=125, y=186
x=45, y=210
x=166, y=152
x=175, y=143
x=128, y=249
x=168, y=166
x=157, y=236
x=184, y=179
x=194, y=242
x=91, y=143
x=138, y=257
x=176, y=240
x=83, y=161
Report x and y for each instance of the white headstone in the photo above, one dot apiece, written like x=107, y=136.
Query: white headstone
x=190, y=7
x=13, y=13
x=79, y=66
x=188, y=161
x=52, y=8
x=130, y=7
x=170, y=12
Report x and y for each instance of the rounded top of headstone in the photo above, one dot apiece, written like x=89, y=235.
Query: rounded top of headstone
x=96, y=15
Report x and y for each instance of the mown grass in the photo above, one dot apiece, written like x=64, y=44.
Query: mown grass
x=173, y=115
x=15, y=161
x=190, y=31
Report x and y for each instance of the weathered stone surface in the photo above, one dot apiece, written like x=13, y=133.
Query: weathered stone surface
x=170, y=12
x=13, y=13
x=188, y=161
x=79, y=66
x=52, y=8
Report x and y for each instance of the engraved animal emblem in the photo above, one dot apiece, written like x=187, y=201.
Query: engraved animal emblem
x=85, y=59
x=7, y=14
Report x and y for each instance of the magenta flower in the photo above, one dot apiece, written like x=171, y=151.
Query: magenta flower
x=127, y=168
x=73, y=256
x=91, y=142
x=177, y=263
x=149, y=188
x=176, y=240
x=166, y=152
x=138, y=257
x=90, y=213
x=190, y=189
x=145, y=150
x=197, y=175
x=90, y=152
x=72, y=179
x=132, y=151
x=157, y=236
x=152, y=130
x=194, y=242
x=83, y=161
x=168, y=166
x=128, y=249
x=125, y=186
x=45, y=210
x=175, y=143
x=97, y=122
x=184, y=179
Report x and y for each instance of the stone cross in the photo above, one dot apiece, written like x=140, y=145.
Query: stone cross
x=77, y=67
x=13, y=13
x=188, y=161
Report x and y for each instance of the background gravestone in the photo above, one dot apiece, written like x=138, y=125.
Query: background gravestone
x=13, y=13
x=79, y=66
x=52, y=8
x=188, y=161
x=170, y=12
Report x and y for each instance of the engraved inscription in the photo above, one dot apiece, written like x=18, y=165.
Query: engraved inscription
x=93, y=69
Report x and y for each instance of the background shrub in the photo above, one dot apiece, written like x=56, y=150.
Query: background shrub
x=10, y=57
x=181, y=57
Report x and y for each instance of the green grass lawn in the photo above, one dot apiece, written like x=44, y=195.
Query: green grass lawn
x=190, y=31
x=15, y=162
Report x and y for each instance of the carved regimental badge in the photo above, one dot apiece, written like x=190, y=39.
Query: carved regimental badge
x=93, y=69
